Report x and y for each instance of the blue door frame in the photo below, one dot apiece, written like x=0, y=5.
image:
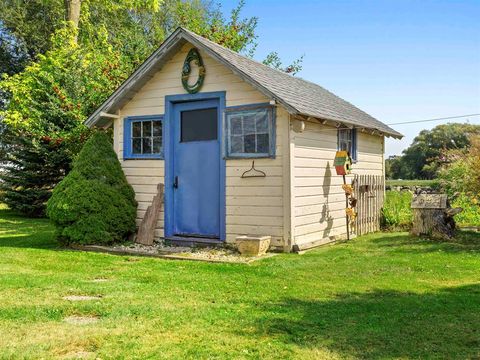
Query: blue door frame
x=169, y=155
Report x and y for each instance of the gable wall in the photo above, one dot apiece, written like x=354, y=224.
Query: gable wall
x=253, y=206
x=318, y=201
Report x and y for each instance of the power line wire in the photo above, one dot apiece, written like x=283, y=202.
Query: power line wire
x=436, y=119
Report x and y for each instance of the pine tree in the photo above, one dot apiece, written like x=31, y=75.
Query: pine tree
x=31, y=168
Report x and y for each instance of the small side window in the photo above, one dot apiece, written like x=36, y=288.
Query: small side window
x=250, y=132
x=347, y=140
x=143, y=137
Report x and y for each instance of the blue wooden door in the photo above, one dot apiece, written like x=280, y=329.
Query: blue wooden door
x=196, y=169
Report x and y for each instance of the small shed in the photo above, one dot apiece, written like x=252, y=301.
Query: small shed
x=242, y=149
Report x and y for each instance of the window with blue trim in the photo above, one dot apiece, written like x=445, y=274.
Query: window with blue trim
x=347, y=140
x=143, y=137
x=250, y=131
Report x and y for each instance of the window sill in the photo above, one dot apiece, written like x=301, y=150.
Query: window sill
x=249, y=157
x=143, y=157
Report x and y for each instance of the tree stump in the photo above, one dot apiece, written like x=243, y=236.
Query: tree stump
x=146, y=231
x=432, y=216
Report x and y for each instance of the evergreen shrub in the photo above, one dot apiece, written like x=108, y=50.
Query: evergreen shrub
x=94, y=204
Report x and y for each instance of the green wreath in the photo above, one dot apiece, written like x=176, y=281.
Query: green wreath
x=193, y=55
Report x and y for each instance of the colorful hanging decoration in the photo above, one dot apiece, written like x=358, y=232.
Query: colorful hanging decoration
x=193, y=55
x=343, y=166
x=348, y=189
x=351, y=215
x=342, y=163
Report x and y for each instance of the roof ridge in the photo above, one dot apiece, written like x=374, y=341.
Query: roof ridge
x=281, y=72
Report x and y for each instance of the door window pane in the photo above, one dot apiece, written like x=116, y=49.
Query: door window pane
x=198, y=125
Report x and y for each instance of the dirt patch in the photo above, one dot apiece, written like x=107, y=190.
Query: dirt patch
x=81, y=320
x=81, y=297
x=99, y=280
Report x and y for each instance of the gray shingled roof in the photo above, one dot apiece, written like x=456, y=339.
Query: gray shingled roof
x=299, y=96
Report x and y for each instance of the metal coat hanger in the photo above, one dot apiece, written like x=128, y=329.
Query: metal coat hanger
x=255, y=172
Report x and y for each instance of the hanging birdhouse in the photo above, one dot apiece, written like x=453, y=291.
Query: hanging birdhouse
x=342, y=163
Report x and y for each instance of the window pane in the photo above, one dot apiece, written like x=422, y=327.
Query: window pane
x=261, y=120
x=262, y=143
x=249, y=143
x=236, y=144
x=147, y=145
x=199, y=125
x=157, y=128
x=249, y=131
x=236, y=125
x=136, y=129
x=137, y=146
x=147, y=128
x=248, y=124
x=157, y=145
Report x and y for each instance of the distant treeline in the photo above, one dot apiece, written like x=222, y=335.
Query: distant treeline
x=428, y=153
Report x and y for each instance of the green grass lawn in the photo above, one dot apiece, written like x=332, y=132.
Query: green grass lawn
x=382, y=296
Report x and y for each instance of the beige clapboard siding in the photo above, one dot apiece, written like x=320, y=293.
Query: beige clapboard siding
x=253, y=206
x=318, y=199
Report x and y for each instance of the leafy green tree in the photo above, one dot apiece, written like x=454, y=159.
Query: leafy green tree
x=459, y=172
x=84, y=60
x=135, y=27
x=423, y=158
x=48, y=103
x=94, y=204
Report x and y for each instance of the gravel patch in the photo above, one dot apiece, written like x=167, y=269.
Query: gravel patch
x=184, y=252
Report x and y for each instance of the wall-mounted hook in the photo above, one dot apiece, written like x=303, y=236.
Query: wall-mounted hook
x=252, y=172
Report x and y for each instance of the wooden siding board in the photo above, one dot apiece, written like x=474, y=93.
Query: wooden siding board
x=319, y=210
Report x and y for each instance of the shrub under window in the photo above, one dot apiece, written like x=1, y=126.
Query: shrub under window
x=250, y=132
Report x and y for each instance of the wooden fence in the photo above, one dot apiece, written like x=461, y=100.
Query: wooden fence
x=369, y=192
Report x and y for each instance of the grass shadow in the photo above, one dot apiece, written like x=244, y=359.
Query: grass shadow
x=381, y=324
x=18, y=231
x=464, y=241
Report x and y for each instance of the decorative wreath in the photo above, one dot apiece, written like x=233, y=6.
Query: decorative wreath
x=193, y=55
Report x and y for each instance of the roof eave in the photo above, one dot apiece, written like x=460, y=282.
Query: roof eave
x=128, y=86
x=333, y=122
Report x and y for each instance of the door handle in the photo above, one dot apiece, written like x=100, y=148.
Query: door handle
x=175, y=182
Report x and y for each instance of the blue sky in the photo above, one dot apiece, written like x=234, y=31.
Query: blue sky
x=397, y=60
